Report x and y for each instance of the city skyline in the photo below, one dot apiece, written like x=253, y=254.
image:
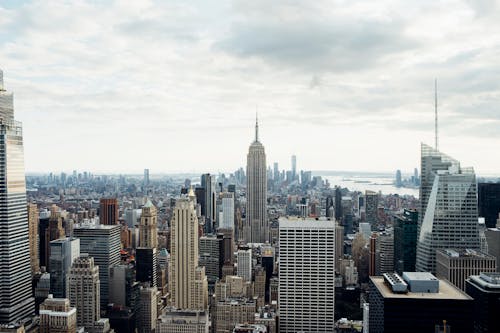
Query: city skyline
x=195, y=71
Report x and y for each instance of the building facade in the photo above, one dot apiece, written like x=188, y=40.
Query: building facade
x=448, y=195
x=306, y=250
x=256, y=223
x=16, y=301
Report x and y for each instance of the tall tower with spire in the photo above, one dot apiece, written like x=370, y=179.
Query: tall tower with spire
x=16, y=302
x=256, y=229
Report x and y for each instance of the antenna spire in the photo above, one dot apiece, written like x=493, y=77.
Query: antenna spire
x=256, y=127
x=436, y=143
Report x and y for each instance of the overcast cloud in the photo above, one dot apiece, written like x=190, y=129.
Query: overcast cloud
x=174, y=85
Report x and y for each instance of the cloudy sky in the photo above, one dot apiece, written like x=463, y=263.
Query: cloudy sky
x=174, y=85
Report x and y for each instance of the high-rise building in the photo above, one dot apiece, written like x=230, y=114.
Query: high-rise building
x=188, y=284
x=306, y=250
x=485, y=290
x=63, y=252
x=57, y=316
x=83, y=291
x=211, y=257
x=493, y=240
x=244, y=261
x=457, y=265
x=385, y=253
x=294, y=167
x=339, y=245
x=209, y=207
x=54, y=231
x=16, y=301
x=148, y=229
x=227, y=211
x=256, y=224
x=33, y=221
x=146, y=261
x=102, y=242
x=146, y=177
x=488, y=197
x=416, y=303
x=371, y=207
x=399, y=181
x=124, y=289
x=449, y=205
x=108, y=211
x=148, y=309
x=405, y=241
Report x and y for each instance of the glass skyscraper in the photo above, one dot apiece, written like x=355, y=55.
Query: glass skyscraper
x=16, y=302
x=448, y=198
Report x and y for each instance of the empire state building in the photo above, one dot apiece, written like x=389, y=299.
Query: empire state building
x=256, y=224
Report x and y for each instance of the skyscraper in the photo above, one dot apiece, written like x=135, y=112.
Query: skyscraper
x=63, y=252
x=33, y=221
x=146, y=177
x=405, y=241
x=306, y=275
x=102, y=242
x=227, y=211
x=488, y=195
x=294, y=167
x=57, y=316
x=208, y=183
x=108, y=211
x=187, y=282
x=148, y=230
x=16, y=302
x=257, y=226
x=83, y=294
x=448, y=195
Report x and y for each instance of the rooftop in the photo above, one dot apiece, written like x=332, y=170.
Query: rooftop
x=464, y=253
x=294, y=222
x=446, y=289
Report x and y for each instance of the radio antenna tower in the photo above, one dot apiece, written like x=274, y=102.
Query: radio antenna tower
x=436, y=143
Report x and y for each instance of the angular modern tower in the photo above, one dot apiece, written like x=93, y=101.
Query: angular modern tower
x=448, y=199
x=16, y=302
x=188, y=283
x=256, y=224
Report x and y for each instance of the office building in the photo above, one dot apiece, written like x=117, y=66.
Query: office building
x=339, y=245
x=230, y=312
x=146, y=261
x=385, y=253
x=485, y=290
x=211, y=257
x=244, y=261
x=57, y=316
x=148, y=309
x=371, y=208
x=124, y=289
x=54, y=231
x=83, y=291
x=307, y=249
x=488, y=197
x=33, y=222
x=227, y=221
x=259, y=285
x=416, y=303
x=63, y=252
x=405, y=241
x=183, y=322
x=102, y=242
x=16, y=301
x=146, y=177
x=148, y=228
x=457, y=265
x=493, y=240
x=108, y=211
x=448, y=198
x=294, y=168
x=256, y=229
x=208, y=205
x=188, y=284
